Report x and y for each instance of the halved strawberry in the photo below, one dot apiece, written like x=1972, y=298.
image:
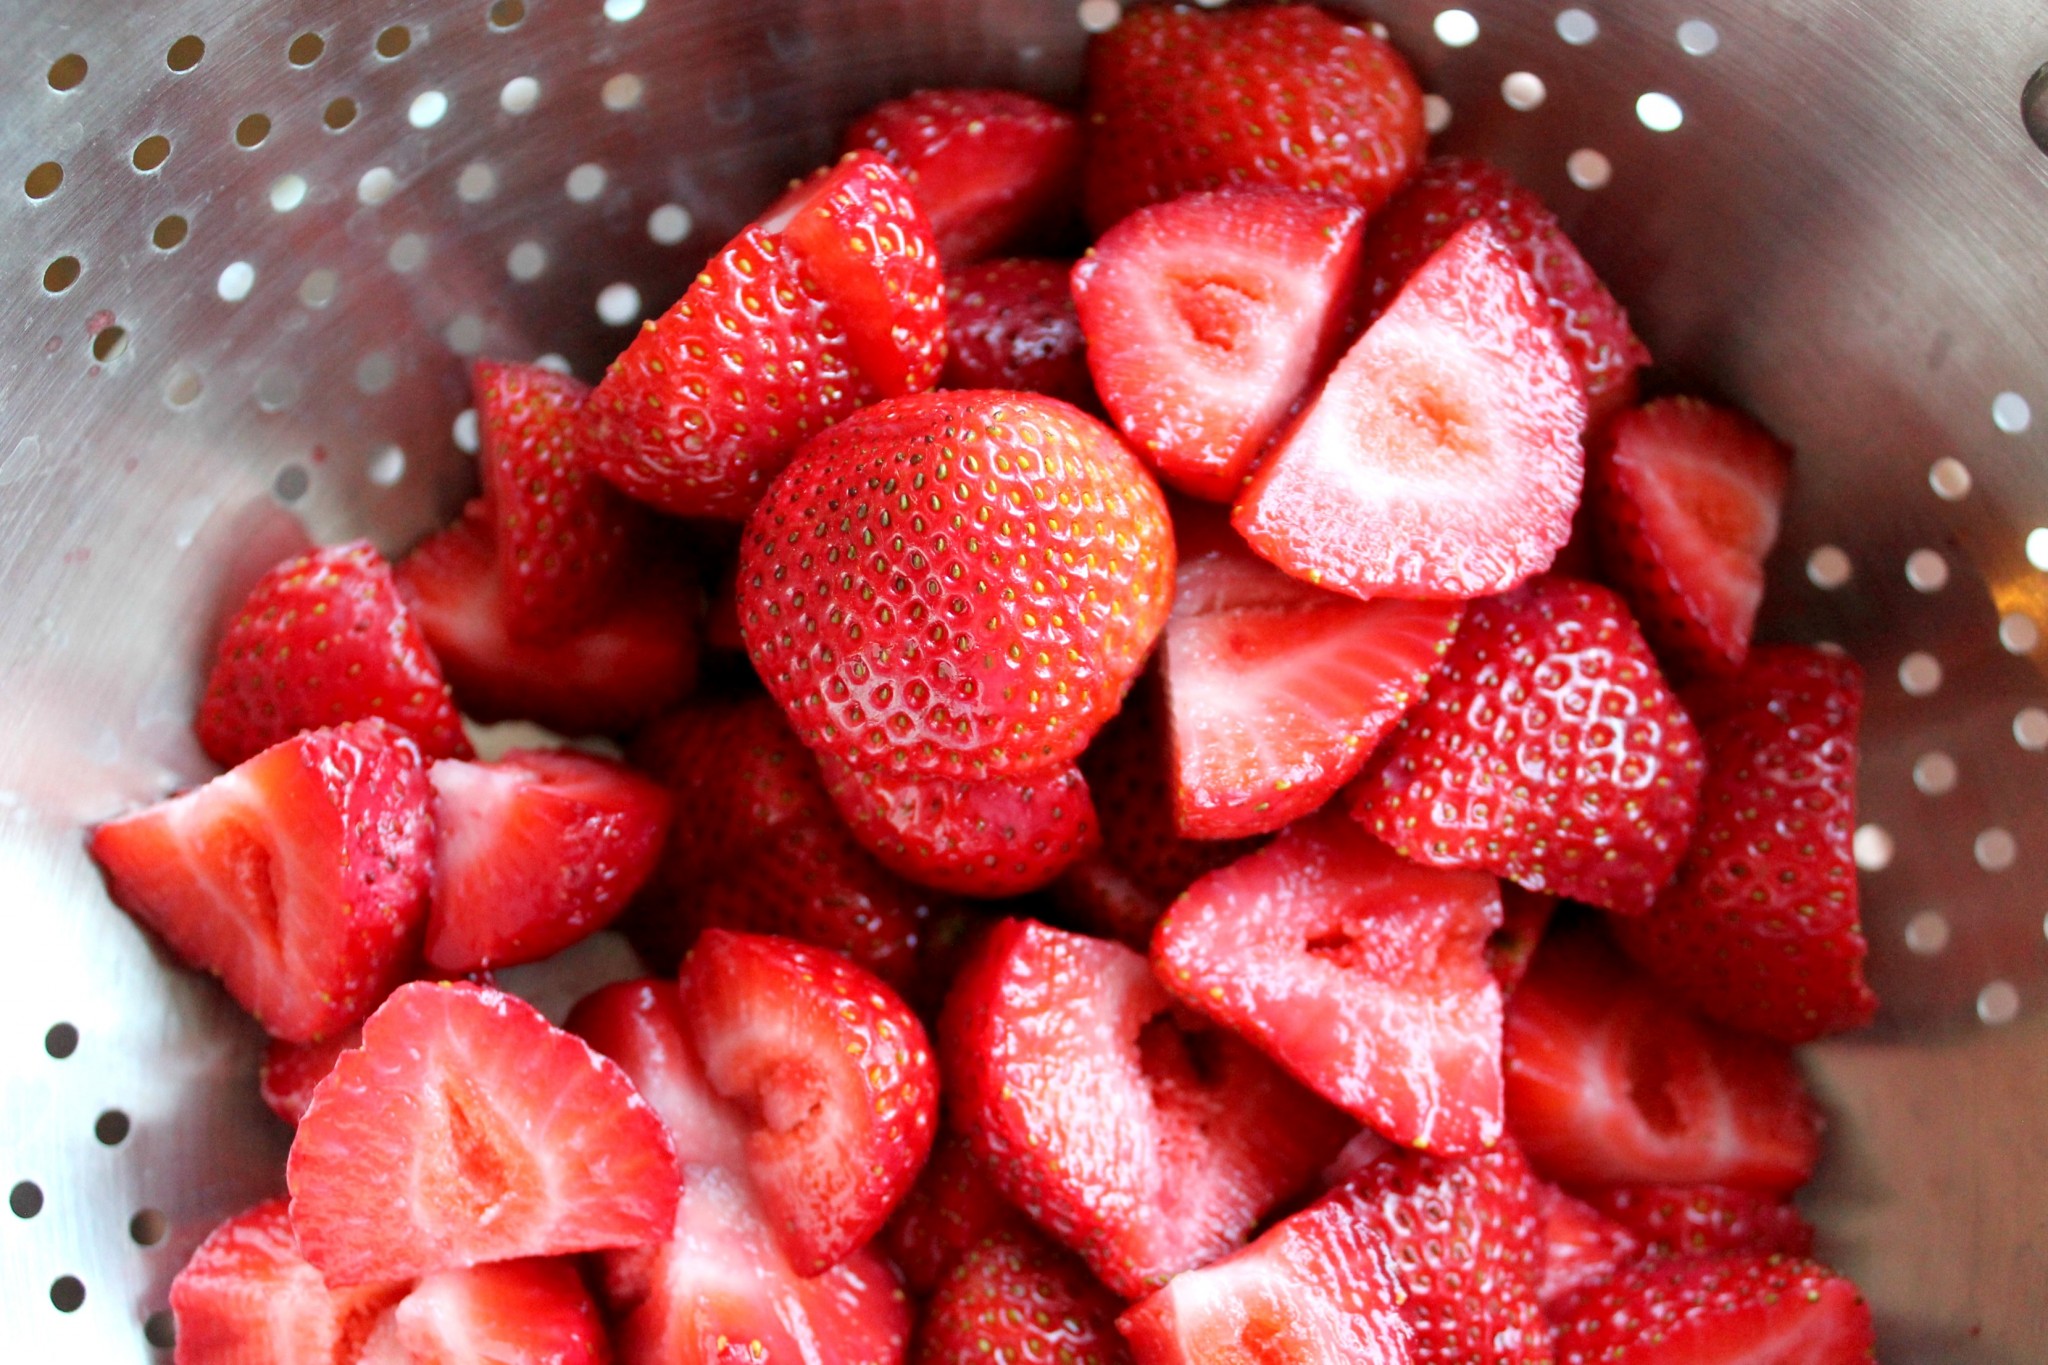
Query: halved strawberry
x=1442, y=457
x=1017, y=1298
x=952, y=1208
x=1208, y=316
x=990, y=168
x=292, y=1071
x=1524, y=916
x=1704, y=1220
x=834, y=1074
x=1686, y=498
x=1011, y=324
x=1182, y=100
x=1362, y=974
x=636, y=660
x=299, y=878
x=1611, y=1082
x=1146, y=1142
x=535, y=1310
x=534, y=852
x=321, y=640
x=1279, y=692
x=247, y=1295
x=1318, y=1288
x=640, y=1025
x=1717, y=1310
x=1549, y=750
x=487, y=1134
x=1581, y=1245
x=1761, y=931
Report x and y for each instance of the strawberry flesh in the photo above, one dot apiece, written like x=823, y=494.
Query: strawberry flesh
x=1011, y=324
x=534, y=1310
x=1717, y=1310
x=640, y=1025
x=1581, y=1245
x=1017, y=1298
x=291, y=1071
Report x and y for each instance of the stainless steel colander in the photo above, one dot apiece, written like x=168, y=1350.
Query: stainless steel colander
x=247, y=249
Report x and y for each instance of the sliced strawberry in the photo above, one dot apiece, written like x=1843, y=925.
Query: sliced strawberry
x=1182, y=100
x=1686, y=498
x=513, y=1311
x=320, y=640
x=487, y=1134
x=1145, y=1142
x=1524, y=915
x=1011, y=324
x=536, y=851
x=990, y=168
x=1451, y=191
x=299, y=879
x=1362, y=974
x=1704, y=1220
x=1279, y=692
x=1442, y=457
x=291, y=1071
x=1761, y=931
x=1017, y=1298
x=834, y=1074
x=1549, y=750
x=1719, y=1310
x=1316, y=1289
x=987, y=839
x=1581, y=1245
x=639, y=1025
x=952, y=1207
x=247, y=1295
x=635, y=661
x=1610, y=1082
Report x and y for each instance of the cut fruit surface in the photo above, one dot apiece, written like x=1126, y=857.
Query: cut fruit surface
x=640, y=1025
x=1581, y=1245
x=531, y=1312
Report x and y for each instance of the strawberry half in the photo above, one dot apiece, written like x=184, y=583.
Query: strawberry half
x=1011, y=324
x=1686, y=498
x=299, y=878
x=1761, y=929
x=1279, y=692
x=952, y=1208
x=487, y=1134
x=834, y=1074
x=1704, y=1220
x=535, y=852
x=1581, y=1245
x=1719, y=1310
x=1549, y=750
x=1610, y=1082
x=1208, y=316
x=513, y=1311
x=1182, y=100
x=321, y=640
x=1016, y=1298
x=640, y=1025
x=292, y=1071
x=990, y=168
x=1442, y=457
x=1147, y=1143
x=956, y=583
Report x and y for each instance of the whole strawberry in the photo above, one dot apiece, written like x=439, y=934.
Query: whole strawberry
x=960, y=583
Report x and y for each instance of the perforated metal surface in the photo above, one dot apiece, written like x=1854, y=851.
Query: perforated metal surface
x=247, y=248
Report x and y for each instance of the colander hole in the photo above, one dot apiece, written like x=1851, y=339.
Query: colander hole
x=2034, y=107
x=1927, y=933
x=464, y=334
x=185, y=53
x=305, y=49
x=251, y=131
x=376, y=185
x=182, y=387
x=67, y=1292
x=428, y=108
x=236, y=280
x=60, y=274
x=1920, y=674
x=1577, y=27
x=291, y=483
x=25, y=1199
x=2030, y=729
x=62, y=1039
x=375, y=372
x=2018, y=633
x=526, y=262
x=67, y=72
x=1998, y=1003
x=1589, y=169
x=553, y=361
x=151, y=152
x=1995, y=849
x=476, y=183
x=586, y=182
x=2037, y=547
x=1828, y=567
x=622, y=92
x=669, y=224
x=1456, y=28
x=1872, y=848
x=1926, y=571
x=339, y=114
x=619, y=11
x=1934, y=773
x=507, y=13
x=393, y=42
x=169, y=232
x=1659, y=112
x=276, y=390
x=1949, y=478
x=465, y=431
x=1436, y=113
x=42, y=182
x=408, y=252
x=1095, y=16
x=1522, y=91
x=2011, y=413
x=160, y=1329
x=520, y=94
x=387, y=467
x=319, y=287
x=1698, y=38
x=108, y=343
x=111, y=1128
x=148, y=1227
x=618, y=304
x=287, y=192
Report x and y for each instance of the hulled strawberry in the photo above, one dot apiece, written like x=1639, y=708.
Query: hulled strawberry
x=1717, y=1310
x=1704, y=1220
x=1011, y=324
x=1016, y=1298
x=951, y=1209
x=536, y=1310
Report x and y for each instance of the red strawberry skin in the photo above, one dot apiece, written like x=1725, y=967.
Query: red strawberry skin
x=291, y=1071
x=299, y=879
x=1581, y=1245
x=1761, y=929
x=1524, y=916
x=1011, y=324
x=990, y=168
x=1442, y=457
x=1549, y=750
x=536, y=1310
x=1017, y=1298
x=320, y=640
x=956, y=583
x=1704, y=1220
x=1362, y=974
x=488, y=1135
x=951, y=1209
x=1182, y=100
x=1716, y=1309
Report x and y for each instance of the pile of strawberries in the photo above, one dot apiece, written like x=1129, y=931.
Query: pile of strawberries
x=1302, y=917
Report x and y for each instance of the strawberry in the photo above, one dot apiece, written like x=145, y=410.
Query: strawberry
x=1182, y=100
x=535, y=852
x=299, y=878
x=320, y=640
x=636, y=660
x=1718, y=1310
x=1704, y=1220
x=1549, y=750
x=1761, y=929
x=1611, y=1082
x=834, y=1073
x=487, y=1134
x=1014, y=1298
x=1362, y=974
x=956, y=583
x=1279, y=692
x=952, y=1208
x=1581, y=1245
x=1145, y=1142
x=1318, y=1288
x=640, y=1025
x=1686, y=498
x=1011, y=324
x=565, y=538
x=1524, y=915
x=291, y=1071
x=1442, y=457
x=989, y=839
x=248, y=1295
x=512, y=1311
x=1208, y=316
x=990, y=168
x=1449, y=192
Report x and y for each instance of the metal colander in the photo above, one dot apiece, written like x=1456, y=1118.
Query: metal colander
x=253, y=246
